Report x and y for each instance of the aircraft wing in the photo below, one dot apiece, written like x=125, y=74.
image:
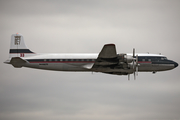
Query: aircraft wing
x=108, y=51
x=107, y=58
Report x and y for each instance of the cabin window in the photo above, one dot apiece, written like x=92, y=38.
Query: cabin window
x=149, y=59
x=44, y=59
x=143, y=59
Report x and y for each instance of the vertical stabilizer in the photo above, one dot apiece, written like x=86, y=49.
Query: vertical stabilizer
x=18, y=47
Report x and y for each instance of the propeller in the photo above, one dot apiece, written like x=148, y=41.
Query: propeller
x=133, y=57
x=135, y=67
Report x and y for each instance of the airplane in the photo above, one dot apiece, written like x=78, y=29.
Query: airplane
x=107, y=61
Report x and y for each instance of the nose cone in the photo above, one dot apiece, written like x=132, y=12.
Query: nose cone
x=175, y=64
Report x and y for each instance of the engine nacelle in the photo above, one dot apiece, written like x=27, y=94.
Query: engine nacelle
x=125, y=58
x=128, y=58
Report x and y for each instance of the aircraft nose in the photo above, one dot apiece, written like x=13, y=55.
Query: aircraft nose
x=175, y=64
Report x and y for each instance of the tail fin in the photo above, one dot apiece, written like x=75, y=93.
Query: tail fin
x=18, y=47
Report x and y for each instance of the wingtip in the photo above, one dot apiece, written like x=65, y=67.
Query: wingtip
x=111, y=44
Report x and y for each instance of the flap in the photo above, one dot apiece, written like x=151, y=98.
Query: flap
x=88, y=66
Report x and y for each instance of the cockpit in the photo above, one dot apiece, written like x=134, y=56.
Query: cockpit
x=163, y=58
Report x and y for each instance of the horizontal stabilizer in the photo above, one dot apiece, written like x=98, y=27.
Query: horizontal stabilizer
x=17, y=62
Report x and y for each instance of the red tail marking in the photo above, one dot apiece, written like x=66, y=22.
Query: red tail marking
x=21, y=54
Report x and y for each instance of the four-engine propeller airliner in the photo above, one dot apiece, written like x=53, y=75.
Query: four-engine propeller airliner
x=107, y=61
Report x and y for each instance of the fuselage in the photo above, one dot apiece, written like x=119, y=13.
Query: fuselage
x=82, y=62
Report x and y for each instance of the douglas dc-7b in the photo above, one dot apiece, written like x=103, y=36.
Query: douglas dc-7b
x=107, y=61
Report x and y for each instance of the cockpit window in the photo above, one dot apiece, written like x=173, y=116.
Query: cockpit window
x=163, y=58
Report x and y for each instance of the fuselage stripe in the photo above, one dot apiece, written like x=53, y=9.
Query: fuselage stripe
x=63, y=62
x=144, y=62
x=20, y=51
x=71, y=61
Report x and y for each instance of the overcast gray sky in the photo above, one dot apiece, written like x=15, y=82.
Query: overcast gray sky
x=84, y=26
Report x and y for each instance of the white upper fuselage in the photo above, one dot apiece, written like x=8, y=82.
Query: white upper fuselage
x=78, y=55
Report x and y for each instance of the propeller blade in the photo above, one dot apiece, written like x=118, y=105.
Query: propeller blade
x=137, y=65
x=134, y=75
x=133, y=64
x=137, y=59
x=133, y=57
x=137, y=70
